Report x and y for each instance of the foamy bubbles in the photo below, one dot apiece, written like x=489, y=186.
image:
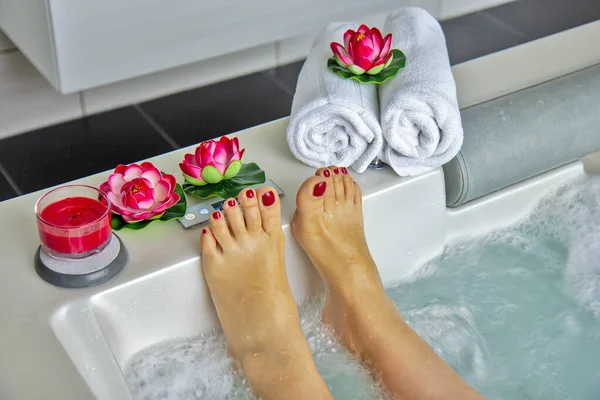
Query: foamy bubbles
x=516, y=313
x=199, y=368
x=453, y=334
x=571, y=216
x=185, y=369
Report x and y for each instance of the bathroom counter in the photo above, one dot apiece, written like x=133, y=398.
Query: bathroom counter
x=33, y=362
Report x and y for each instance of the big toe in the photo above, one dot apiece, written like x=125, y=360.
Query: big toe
x=311, y=194
x=270, y=209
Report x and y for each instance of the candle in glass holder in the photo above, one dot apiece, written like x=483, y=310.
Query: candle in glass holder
x=74, y=221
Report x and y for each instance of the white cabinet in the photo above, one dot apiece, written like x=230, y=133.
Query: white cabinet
x=79, y=44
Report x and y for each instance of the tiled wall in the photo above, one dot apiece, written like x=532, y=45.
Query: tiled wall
x=28, y=102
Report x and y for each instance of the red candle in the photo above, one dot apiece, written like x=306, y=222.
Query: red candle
x=75, y=226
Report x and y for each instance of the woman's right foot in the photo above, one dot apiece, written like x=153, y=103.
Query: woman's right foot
x=328, y=223
x=243, y=262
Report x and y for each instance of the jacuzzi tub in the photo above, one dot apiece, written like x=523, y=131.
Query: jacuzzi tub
x=74, y=344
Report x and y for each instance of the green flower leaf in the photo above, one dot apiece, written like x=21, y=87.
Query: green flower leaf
x=398, y=62
x=249, y=175
x=387, y=64
x=339, y=61
x=355, y=70
x=176, y=211
x=211, y=175
x=376, y=70
x=179, y=209
x=193, y=181
x=117, y=222
x=233, y=169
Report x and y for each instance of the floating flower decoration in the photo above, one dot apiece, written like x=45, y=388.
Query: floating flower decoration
x=364, y=51
x=217, y=169
x=366, y=56
x=213, y=161
x=141, y=193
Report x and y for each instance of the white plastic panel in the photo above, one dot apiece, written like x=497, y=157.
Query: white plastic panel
x=99, y=42
x=28, y=25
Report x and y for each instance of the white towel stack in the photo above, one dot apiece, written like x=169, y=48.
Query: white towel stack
x=412, y=121
x=420, y=117
x=334, y=121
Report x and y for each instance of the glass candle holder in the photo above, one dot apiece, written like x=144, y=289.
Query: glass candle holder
x=74, y=221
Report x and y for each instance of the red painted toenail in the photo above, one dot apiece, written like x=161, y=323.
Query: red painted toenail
x=336, y=171
x=319, y=189
x=217, y=215
x=344, y=170
x=231, y=203
x=204, y=231
x=250, y=194
x=268, y=198
x=327, y=173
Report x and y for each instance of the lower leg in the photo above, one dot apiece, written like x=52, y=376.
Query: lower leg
x=329, y=225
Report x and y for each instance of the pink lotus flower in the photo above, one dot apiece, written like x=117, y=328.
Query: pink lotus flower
x=140, y=192
x=364, y=51
x=213, y=162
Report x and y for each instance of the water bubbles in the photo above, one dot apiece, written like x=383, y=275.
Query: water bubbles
x=199, y=368
x=531, y=301
x=571, y=325
x=516, y=313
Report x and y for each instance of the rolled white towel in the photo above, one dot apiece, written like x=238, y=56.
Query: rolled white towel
x=334, y=121
x=420, y=117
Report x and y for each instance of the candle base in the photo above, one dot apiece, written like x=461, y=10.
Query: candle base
x=79, y=273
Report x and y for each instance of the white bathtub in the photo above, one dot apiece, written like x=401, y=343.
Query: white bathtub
x=73, y=344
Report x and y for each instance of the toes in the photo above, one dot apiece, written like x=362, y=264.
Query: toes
x=357, y=194
x=208, y=244
x=270, y=209
x=220, y=230
x=235, y=218
x=338, y=184
x=312, y=194
x=348, y=185
x=248, y=200
x=324, y=172
x=329, y=196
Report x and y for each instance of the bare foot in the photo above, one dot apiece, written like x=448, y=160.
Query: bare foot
x=243, y=262
x=328, y=223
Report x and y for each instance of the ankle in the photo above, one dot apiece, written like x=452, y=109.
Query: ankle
x=359, y=284
x=278, y=361
x=362, y=317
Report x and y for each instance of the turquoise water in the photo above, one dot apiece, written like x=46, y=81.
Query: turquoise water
x=498, y=311
x=516, y=313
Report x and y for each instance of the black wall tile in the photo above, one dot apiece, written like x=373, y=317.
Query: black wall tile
x=6, y=191
x=61, y=153
x=475, y=35
x=226, y=107
x=539, y=18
